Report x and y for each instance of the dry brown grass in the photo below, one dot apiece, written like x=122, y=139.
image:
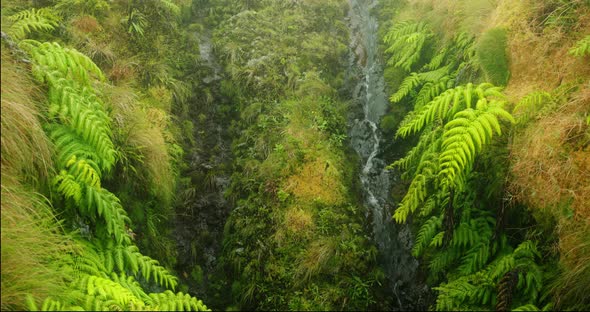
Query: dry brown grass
x=122, y=71
x=32, y=245
x=539, y=56
x=551, y=174
x=316, y=182
x=33, y=249
x=86, y=24
x=551, y=159
x=299, y=221
x=315, y=259
x=26, y=151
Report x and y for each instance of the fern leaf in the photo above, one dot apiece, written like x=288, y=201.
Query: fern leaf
x=426, y=234
x=408, y=84
x=582, y=47
x=531, y=104
x=406, y=41
x=32, y=20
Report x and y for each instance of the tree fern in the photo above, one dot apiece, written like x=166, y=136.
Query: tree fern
x=179, y=302
x=50, y=56
x=466, y=135
x=81, y=131
x=425, y=235
x=32, y=20
x=446, y=105
x=406, y=41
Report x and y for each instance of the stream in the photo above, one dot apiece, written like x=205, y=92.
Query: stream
x=394, y=241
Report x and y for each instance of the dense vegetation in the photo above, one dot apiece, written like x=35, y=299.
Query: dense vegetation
x=159, y=151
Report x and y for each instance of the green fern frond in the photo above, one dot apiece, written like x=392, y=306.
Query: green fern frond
x=84, y=171
x=179, y=302
x=443, y=259
x=465, y=136
x=150, y=268
x=102, y=203
x=50, y=56
x=170, y=6
x=426, y=144
x=474, y=289
x=475, y=259
x=407, y=85
x=426, y=234
x=405, y=41
x=437, y=60
x=68, y=187
x=582, y=47
x=531, y=104
x=32, y=20
x=430, y=90
x=107, y=289
x=527, y=307
x=446, y=105
x=414, y=197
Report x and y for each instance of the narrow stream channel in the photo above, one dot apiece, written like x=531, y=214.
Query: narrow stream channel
x=393, y=241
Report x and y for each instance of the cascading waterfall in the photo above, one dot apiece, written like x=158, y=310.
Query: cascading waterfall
x=393, y=241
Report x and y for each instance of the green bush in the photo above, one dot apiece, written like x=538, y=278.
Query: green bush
x=491, y=56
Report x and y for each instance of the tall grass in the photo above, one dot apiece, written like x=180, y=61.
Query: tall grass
x=26, y=151
x=33, y=247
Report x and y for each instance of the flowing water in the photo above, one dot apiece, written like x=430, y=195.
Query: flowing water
x=393, y=241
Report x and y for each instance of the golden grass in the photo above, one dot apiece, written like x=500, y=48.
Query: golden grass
x=315, y=259
x=551, y=174
x=86, y=24
x=142, y=136
x=539, y=59
x=26, y=150
x=450, y=17
x=551, y=159
x=33, y=250
x=299, y=221
x=317, y=181
x=570, y=289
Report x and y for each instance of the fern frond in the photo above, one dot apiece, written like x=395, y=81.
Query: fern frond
x=425, y=144
x=107, y=289
x=465, y=136
x=150, y=268
x=446, y=105
x=32, y=20
x=530, y=105
x=437, y=60
x=168, y=301
x=527, y=307
x=407, y=85
x=50, y=56
x=426, y=234
x=170, y=6
x=443, y=259
x=406, y=41
x=68, y=187
x=85, y=171
x=414, y=197
x=582, y=47
x=102, y=203
x=430, y=90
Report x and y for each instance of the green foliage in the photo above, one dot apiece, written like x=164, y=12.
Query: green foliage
x=406, y=41
x=491, y=56
x=531, y=104
x=582, y=47
x=80, y=128
x=447, y=105
x=32, y=20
